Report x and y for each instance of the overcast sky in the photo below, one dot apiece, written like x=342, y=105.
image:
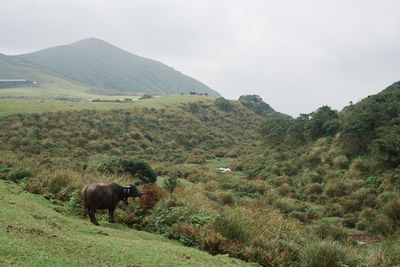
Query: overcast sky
x=297, y=55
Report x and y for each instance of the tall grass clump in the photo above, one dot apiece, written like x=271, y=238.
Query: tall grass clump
x=19, y=174
x=234, y=225
x=325, y=254
x=392, y=210
x=386, y=253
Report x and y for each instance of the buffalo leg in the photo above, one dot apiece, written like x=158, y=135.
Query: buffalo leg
x=87, y=209
x=111, y=215
x=92, y=215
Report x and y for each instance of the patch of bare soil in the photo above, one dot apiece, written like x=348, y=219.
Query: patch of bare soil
x=364, y=239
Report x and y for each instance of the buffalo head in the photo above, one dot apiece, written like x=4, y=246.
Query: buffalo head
x=131, y=191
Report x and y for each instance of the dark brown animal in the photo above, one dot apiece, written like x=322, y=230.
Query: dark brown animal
x=106, y=196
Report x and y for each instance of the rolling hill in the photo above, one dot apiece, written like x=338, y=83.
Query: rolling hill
x=97, y=63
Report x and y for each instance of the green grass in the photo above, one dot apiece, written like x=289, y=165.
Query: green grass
x=58, y=88
x=12, y=105
x=32, y=105
x=184, y=182
x=33, y=233
x=220, y=162
x=172, y=100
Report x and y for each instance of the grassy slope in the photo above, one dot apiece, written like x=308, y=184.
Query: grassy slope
x=33, y=233
x=49, y=83
x=19, y=105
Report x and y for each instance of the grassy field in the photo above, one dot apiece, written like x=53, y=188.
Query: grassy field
x=56, y=89
x=28, y=105
x=33, y=233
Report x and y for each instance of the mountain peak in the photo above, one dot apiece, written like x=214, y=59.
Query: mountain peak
x=95, y=62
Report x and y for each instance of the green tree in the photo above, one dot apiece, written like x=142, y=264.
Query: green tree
x=322, y=122
x=170, y=184
x=194, y=108
x=256, y=104
x=223, y=104
x=386, y=146
x=274, y=129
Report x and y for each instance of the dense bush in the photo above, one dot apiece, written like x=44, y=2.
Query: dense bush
x=18, y=174
x=151, y=195
x=256, y=104
x=327, y=230
x=392, y=210
x=223, y=104
x=233, y=225
x=133, y=166
x=188, y=234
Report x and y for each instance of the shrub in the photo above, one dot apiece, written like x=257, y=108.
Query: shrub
x=274, y=252
x=316, y=177
x=289, y=169
x=284, y=189
x=75, y=203
x=145, y=96
x=223, y=104
x=333, y=210
x=341, y=162
x=313, y=189
x=34, y=186
x=188, y=234
x=314, y=158
x=211, y=186
x=313, y=197
x=132, y=166
x=57, y=183
x=279, y=181
x=350, y=220
x=362, y=197
x=170, y=184
x=337, y=189
x=373, y=182
x=392, y=210
x=4, y=170
x=301, y=216
x=233, y=225
x=19, y=174
x=325, y=254
x=327, y=230
x=213, y=243
x=225, y=198
x=165, y=214
x=381, y=225
x=386, y=253
x=151, y=195
x=285, y=205
x=360, y=167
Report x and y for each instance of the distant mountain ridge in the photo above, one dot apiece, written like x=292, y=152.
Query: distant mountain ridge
x=97, y=63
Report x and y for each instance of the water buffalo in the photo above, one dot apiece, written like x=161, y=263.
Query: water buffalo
x=106, y=196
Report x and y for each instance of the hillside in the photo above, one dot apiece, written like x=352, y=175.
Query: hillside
x=100, y=64
x=35, y=232
x=337, y=169
x=14, y=68
x=50, y=85
x=294, y=197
